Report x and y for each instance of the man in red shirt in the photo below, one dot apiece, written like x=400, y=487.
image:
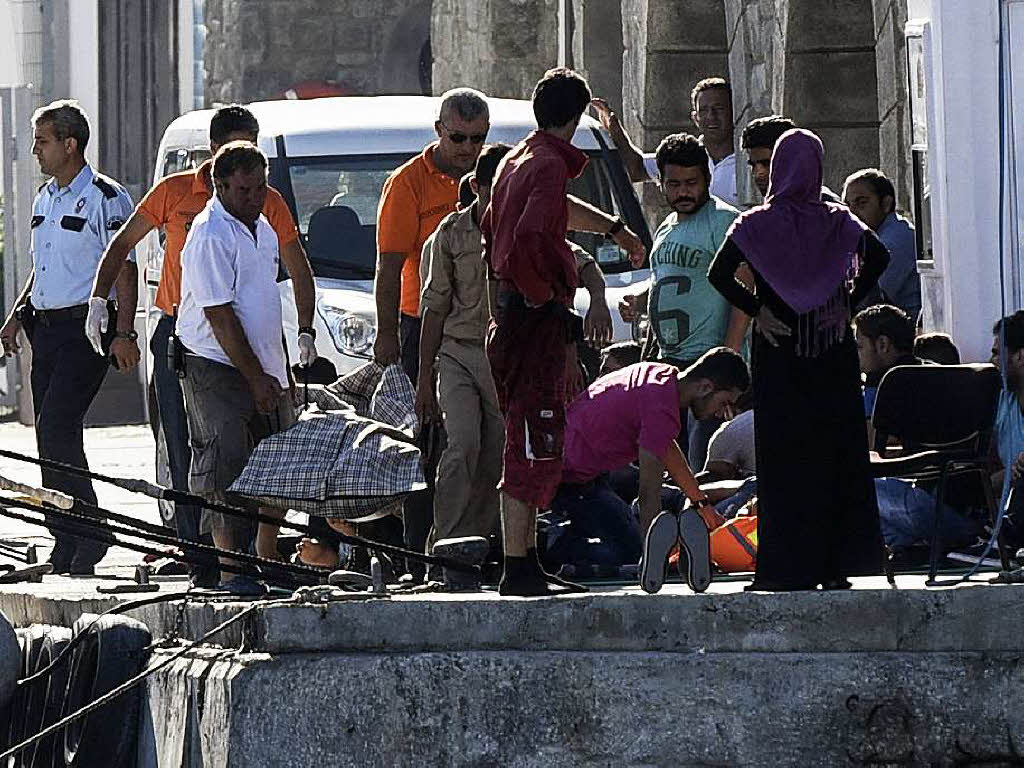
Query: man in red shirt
x=531, y=341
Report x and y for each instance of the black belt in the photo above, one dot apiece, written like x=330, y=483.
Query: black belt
x=62, y=315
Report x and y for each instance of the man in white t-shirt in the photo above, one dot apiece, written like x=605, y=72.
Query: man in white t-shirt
x=711, y=103
x=236, y=384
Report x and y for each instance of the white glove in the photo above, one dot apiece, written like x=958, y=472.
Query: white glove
x=96, y=323
x=307, y=350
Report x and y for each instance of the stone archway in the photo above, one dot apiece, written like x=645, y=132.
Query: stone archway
x=405, y=66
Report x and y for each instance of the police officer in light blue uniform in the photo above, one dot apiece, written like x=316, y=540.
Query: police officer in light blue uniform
x=75, y=214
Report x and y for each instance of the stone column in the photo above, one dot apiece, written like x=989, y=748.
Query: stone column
x=668, y=46
x=757, y=44
x=894, y=139
x=597, y=46
x=830, y=81
x=502, y=47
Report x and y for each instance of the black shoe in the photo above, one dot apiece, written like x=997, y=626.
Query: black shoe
x=521, y=579
x=61, y=556
x=695, y=541
x=658, y=542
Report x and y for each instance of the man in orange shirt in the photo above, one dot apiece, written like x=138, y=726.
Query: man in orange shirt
x=170, y=206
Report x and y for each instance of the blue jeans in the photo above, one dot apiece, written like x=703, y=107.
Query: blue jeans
x=171, y=412
x=594, y=511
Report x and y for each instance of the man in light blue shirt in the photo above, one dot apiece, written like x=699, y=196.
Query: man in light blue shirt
x=75, y=214
x=1010, y=418
x=872, y=198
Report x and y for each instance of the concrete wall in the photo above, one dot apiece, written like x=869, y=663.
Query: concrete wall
x=597, y=46
x=501, y=47
x=258, y=49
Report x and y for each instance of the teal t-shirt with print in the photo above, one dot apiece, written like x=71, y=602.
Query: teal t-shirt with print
x=687, y=314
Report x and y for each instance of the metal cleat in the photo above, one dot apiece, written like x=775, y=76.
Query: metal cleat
x=32, y=574
x=142, y=583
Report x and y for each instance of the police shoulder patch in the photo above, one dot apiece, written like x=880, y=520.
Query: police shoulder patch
x=106, y=186
x=115, y=223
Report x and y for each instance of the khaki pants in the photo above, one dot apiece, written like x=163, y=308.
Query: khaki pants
x=466, y=496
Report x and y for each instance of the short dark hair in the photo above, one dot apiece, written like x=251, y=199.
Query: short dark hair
x=68, y=120
x=682, y=149
x=878, y=181
x=763, y=132
x=487, y=163
x=560, y=97
x=938, y=348
x=237, y=156
x=889, y=321
x=709, y=84
x=1012, y=327
x=233, y=118
x=725, y=368
x=626, y=352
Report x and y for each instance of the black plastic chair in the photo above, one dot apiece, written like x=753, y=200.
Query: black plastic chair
x=943, y=417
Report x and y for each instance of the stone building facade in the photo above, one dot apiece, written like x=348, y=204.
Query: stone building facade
x=259, y=49
x=837, y=67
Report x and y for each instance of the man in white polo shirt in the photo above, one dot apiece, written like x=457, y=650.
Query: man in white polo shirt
x=236, y=383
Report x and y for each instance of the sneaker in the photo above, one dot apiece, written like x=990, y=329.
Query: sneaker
x=695, y=541
x=660, y=539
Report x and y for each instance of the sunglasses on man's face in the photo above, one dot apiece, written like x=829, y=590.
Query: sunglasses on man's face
x=457, y=137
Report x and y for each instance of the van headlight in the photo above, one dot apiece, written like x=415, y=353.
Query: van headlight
x=352, y=333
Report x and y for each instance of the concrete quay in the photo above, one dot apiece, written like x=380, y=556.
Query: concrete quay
x=871, y=676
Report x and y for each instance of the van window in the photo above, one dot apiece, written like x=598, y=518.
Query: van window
x=335, y=205
x=178, y=160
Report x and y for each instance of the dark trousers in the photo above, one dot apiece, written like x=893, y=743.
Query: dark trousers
x=66, y=375
x=418, y=509
x=595, y=511
x=171, y=412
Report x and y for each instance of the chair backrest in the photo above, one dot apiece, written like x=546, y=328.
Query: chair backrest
x=933, y=406
x=335, y=230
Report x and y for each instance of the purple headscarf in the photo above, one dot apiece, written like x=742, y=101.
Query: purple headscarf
x=804, y=248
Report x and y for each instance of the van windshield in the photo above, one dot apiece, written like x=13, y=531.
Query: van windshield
x=336, y=201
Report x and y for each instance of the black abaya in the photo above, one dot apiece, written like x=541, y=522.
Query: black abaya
x=817, y=511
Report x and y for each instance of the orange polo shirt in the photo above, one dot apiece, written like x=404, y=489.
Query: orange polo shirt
x=175, y=201
x=414, y=200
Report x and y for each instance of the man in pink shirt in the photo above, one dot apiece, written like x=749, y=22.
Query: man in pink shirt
x=633, y=414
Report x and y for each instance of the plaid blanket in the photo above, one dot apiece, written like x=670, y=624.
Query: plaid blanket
x=351, y=456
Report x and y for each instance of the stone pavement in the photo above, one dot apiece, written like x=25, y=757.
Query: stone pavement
x=118, y=451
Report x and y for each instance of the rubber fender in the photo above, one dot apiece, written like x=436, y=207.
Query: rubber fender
x=10, y=661
x=31, y=640
x=33, y=694
x=10, y=667
x=112, y=651
x=52, y=690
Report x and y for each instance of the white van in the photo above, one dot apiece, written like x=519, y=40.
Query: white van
x=337, y=153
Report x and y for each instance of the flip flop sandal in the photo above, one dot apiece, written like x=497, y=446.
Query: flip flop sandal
x=660, y=539
x=695, y=541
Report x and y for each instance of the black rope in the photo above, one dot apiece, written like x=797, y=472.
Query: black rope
x=105, y=537
x=129, y=605
x=154, y=491
x=159, y=534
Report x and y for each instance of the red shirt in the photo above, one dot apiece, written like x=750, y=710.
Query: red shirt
x=524, y=226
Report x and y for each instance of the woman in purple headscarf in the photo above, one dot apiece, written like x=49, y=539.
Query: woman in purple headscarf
x=812, y=261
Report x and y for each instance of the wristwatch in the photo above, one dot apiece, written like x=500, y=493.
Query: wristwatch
x=131, y=335
x=308, y=329
x=617, y=226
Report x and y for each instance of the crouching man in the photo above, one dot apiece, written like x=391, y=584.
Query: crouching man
x=236, y=383
x=635, y=414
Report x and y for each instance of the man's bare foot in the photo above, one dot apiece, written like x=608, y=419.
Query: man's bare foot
x=313, y=552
